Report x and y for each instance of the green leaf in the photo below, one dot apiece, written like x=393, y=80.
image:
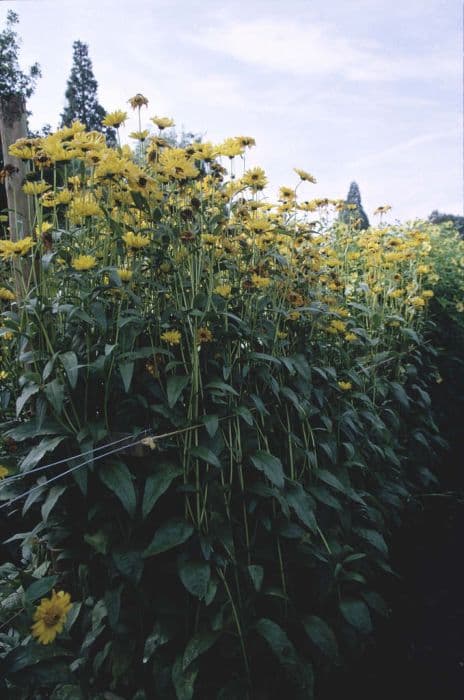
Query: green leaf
x=169, y=535
x=29, y=390
x=156, y=639
x=270, y=465
x=129, y=564
x=302, y=503
x=197, y=645
x=400, y=395
x=374, y=538
x=37, y=453
x=156, y=484
x=278, y=641
x=321, y=636
x=256, y=574
x=54, y=391
x=356, y=613
x=99, y=541
x=126, y=370
x=221, y=387
x=71, y=367
x=245, y=414
x=206, y=455
x=331, y=480
x=174, y=388
x=184, y=681
x=67, y=692
x=52, y=498
x=40, y=588
x=211, y=424
x=195, y=576
x=117, y=477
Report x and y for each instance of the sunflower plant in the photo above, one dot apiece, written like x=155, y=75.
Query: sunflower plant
x=221, y=406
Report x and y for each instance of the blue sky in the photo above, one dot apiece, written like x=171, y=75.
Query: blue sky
x=368, y=90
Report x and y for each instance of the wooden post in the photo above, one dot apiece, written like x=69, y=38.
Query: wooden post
x=13, y=126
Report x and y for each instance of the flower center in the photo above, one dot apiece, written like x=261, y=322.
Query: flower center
x=52, y=617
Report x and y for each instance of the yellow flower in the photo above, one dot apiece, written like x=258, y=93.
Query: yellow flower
x=345, y=386
x=10, y=249
x=4, y=471
x=339, y=326
x=204, y=335
x=43, y=228
x=231, y=147
x=417, y=302
x=139, y=135
x=351, y=337
x=175, y=163
x=171, y=337
x=135, y=240
x=382, y=210
x=224, y=290
x=84, y=262
x=138, y=101
x=124, y=274
x=35, y=187
x=305, y=176
x=459, y=307
x=281, y=335
x=3, y=375
x=6, y=294
x=50, y=616
x=83, y=206
x=260, y=282
x=427, y=293
x=115, y=119
x=162, y=122
x=255, y=179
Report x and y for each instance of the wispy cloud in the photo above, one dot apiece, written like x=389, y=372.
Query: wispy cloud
x=377, y=157
x=306, y=48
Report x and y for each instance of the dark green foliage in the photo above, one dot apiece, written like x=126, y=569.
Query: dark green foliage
x=81, y=94
x=13, y=81
x=437, y=217
x=355, y=214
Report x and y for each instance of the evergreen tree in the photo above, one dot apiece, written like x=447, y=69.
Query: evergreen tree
x=437, y=217
x=13, y=81
x=355, y=211
x=81, y=94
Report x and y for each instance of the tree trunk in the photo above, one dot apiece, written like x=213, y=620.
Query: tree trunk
x=13, y=126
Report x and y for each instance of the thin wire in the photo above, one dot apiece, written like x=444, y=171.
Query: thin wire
x=101, y=456
x=65, y=473
x=21, y=475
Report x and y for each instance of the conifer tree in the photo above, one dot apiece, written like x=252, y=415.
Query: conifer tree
x=354, y=211
x=81, y=94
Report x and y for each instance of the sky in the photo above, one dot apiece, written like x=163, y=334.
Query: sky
x=367, y=90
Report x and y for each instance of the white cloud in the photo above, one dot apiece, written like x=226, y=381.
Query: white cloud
x=305, y=48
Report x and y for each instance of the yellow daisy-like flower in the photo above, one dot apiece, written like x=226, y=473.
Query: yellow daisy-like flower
x=4, y=471
x=139, y=135
x=124, y=274
x=260, y=282
x=162, y=122
x=345, y=386
x=417, y=302
x=115, y=119
x=83, y=206
x=83, y=262
x=138, y=101
x=3, y=375
x=204, y=335
x=224, y=290
x=305, y=176
x=6, y=294
x=351, y=337
x=428, y=293
x=50, y=616
x=171, y=337
x=38, y=187
x=255, y=179
x=11, y=249
x=135, y=241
